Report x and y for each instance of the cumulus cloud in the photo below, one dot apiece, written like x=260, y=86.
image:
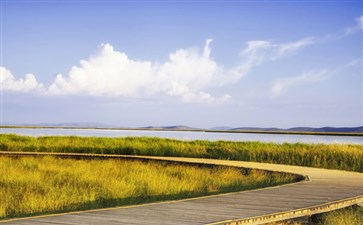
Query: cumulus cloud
x=108, y=73
x=185, y=75
x=27, y=84
x=282, y=85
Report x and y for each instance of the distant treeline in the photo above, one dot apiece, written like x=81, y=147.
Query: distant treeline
x=330, y=156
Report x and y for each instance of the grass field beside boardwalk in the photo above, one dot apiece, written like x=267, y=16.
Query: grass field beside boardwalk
x=346, y=216
x=32, y=186
x=330, y=156
x=352, y=215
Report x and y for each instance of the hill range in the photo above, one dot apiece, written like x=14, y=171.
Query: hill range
x=358, y=129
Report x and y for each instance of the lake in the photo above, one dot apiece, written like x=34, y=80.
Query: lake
x=186, y=135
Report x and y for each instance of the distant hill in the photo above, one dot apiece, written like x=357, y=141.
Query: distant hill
x=221, y=128
x=187, y=128
x=339, y=129
x=176, y=127
x=256, y=129
x=305, y=129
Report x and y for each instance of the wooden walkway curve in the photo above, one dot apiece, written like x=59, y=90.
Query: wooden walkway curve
x=325, y=190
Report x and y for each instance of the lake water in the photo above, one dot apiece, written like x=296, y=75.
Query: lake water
x=187, y=135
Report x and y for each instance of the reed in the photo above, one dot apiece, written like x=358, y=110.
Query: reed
x=33, y=186
x=347, y=216
x=330, y=156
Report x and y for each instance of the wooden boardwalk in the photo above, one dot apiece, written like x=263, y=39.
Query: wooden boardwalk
x=325, y=190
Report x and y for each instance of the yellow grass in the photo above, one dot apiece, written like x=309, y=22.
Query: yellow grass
x=347, y=216
x=331, y=156
x=32, y=186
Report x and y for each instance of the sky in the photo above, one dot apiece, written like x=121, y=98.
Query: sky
x=196, y=63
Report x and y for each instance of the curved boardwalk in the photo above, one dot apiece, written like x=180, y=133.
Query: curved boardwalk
x=324, y=191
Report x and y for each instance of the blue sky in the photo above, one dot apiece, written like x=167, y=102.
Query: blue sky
x=202, y=64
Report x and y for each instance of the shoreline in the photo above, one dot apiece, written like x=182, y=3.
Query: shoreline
x=353, y=134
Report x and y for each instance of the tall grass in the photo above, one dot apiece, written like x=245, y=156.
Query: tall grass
x=347, y=216
x=330, y=156
x=31, y=186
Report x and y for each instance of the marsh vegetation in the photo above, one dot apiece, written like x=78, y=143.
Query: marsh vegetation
x=347, y=216
x=32, y=186
x=330, y=156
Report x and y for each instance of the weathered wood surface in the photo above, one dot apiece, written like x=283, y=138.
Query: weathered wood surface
x=325, y=190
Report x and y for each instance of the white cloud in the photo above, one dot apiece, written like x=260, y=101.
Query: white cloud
x=26, y=84
x=291, y=47
x=260, y=51
x=282, y=85
x=347, y=31
x=185, y=75
x=201, y=97
x=351, y=68
x=108, y=73
x=354, y=63
x=360, y=22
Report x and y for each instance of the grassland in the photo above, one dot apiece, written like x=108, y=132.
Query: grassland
x=330, y=156
x=347, y=216
x=31, y=186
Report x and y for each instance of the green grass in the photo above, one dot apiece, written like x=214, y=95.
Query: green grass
x=33, y=186
x=347, y=216
x=330, y=156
